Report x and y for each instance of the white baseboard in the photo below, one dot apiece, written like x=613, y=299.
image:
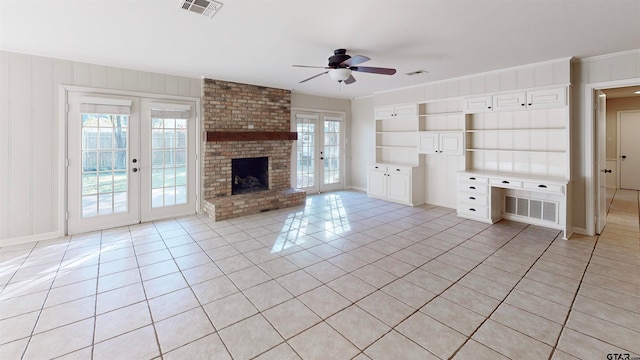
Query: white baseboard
x=581, y=231
x=359, y=188
x=29, y=238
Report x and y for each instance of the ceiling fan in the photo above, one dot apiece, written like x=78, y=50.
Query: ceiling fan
x=341, y=65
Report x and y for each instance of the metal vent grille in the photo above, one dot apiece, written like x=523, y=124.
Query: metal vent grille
x=535, y=209
x=205, y=7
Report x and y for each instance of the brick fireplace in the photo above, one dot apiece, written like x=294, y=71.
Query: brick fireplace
x=244, y=122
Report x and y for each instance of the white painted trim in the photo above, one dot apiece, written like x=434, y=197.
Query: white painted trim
x=519, y=67
x=581, y=231
x=590, y=147
x=62, y=142
x=30, y=238
x=606, y=56
x=358, y=188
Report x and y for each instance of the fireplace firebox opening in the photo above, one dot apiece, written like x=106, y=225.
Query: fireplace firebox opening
x=249, y=175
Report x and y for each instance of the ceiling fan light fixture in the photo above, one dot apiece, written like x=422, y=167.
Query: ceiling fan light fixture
x=340, y=74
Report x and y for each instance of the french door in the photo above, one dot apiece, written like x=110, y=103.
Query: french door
x=319, y=152
x=129, y=160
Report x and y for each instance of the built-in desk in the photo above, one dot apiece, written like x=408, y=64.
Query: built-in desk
x=491, y=196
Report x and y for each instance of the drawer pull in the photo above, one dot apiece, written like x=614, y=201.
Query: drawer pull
x=505, y=182
x=542, y=186
x=472, y=187
x=472, y=209
x=398, y=170
x=472, y=178
x=471, y=198
x=377, y=167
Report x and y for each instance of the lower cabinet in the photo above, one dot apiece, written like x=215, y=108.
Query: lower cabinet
x=489, y=197
x=401, y=184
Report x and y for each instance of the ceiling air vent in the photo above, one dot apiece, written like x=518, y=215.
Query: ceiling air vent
x=204, y=7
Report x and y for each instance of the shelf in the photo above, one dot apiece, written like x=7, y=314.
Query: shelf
x=397, y=132
x=515, y=151
x=442, y=114
x=517, y=130
x=440, y=131
x=395, y=147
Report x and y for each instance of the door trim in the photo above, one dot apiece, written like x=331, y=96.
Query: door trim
x=591, y=170
x=63, y=91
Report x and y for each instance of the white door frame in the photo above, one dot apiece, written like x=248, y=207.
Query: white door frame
x=618, y=147
x=63, y=91
x=590, y=162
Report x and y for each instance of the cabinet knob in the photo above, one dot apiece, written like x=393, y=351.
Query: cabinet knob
x=523, y=104
x=530, y=104
x=488, y=107
x=397, y=169
x=542, y=186
x=505, y=182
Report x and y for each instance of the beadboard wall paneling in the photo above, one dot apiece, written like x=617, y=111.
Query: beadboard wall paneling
x=29, y=130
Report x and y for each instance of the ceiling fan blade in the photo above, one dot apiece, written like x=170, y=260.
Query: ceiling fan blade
x=374, y=70
x=313, y=77
x=350, y=80
x=311, y=66
x=355, y=60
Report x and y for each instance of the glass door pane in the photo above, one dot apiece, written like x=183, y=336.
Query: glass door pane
x=332, y=151
x=104, y=180
x=306, y=152
x=168, y=162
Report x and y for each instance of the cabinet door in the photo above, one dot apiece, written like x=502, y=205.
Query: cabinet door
x=428, y=143
x=377, y=183
x=451, y=143
x=478, y=104
x=399, y=187
x=507, y=102
x=548, y=98
x=384, y=112
x=406, y=110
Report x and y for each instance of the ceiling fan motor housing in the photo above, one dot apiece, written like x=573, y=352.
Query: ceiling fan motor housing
x=339, y=56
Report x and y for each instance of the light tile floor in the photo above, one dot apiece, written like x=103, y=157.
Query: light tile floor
x=344, y=277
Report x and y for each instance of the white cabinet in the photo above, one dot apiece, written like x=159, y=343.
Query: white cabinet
x=446, y=143
x=396, y=111
x=396, y=183
x=396, y=134
x=478, y=104
x=489, y=197
x=522, y=100
x=547, y=98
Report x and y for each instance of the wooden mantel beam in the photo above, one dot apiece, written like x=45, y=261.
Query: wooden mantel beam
x=250, y=135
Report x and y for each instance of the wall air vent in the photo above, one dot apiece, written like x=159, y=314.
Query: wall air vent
x=531, y=208
x=205, y=7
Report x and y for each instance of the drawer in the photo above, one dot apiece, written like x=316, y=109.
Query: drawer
x=399, y=170
x=473, y=178
x=477, y=211
x=544, y=187
x=378, y=167
x=506, y=183
x=473, y=199
x=471, y=188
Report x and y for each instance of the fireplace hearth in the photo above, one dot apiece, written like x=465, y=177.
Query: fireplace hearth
x=249, y=175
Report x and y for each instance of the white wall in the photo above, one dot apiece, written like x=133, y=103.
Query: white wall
x=362, y=140
x=29, y=131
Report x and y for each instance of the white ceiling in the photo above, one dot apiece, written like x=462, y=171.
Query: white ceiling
x=256, y=42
